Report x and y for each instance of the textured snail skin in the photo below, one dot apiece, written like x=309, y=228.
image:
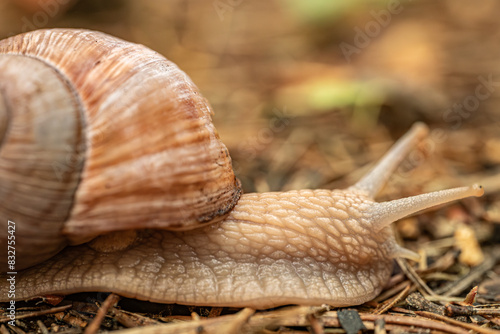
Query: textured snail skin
x=274, y=248
x=305, y=246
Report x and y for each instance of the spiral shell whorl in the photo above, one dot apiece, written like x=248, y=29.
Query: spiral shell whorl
x=42, y=122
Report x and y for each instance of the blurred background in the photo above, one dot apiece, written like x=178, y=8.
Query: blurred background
x=306, y=94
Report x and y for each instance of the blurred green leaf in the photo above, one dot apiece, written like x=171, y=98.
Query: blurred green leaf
x=319, y=11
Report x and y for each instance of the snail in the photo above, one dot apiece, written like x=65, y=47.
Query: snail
x=154, y=211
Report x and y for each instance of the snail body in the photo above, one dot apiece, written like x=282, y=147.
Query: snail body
x=155, y=169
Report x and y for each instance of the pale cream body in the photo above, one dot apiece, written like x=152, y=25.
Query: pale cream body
x=272, y=249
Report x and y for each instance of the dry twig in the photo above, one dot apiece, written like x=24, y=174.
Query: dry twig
x=37, y=313
x=457, y=323
x=111, y=300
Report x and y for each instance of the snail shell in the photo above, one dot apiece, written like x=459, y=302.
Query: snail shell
x=98, y=135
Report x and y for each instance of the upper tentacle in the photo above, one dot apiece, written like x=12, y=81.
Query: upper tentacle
x=372, y=182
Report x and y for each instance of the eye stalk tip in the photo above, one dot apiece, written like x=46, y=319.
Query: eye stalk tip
x=420, y=129
x=478, y=190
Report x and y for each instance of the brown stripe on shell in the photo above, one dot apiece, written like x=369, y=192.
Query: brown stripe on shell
x=4, y=117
